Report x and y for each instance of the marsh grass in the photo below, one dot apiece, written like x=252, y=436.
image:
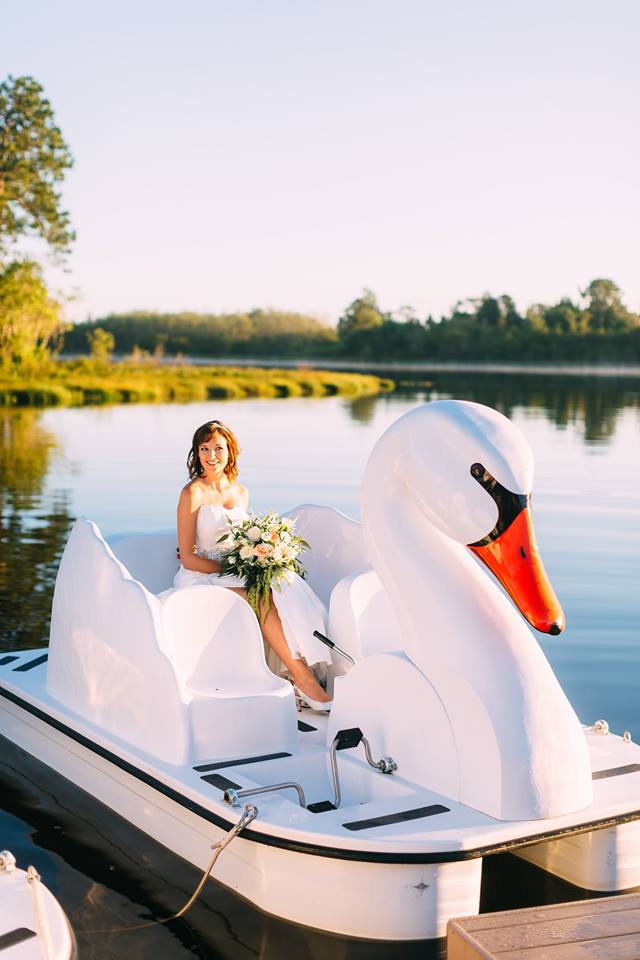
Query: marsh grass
x=85, y=382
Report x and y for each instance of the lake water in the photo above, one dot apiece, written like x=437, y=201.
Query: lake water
x=123, y=467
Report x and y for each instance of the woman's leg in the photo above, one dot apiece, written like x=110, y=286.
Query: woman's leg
x=274, y=635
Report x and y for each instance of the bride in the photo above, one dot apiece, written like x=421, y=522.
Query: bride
x=212, y=495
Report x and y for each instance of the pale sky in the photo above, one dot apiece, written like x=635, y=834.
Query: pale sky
x=288, y=153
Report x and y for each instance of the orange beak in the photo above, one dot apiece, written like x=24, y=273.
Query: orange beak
x=514, y=559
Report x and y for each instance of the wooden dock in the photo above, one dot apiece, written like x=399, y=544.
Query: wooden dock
x=604, y=929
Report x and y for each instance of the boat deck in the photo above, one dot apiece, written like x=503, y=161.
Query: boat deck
x=381, y=817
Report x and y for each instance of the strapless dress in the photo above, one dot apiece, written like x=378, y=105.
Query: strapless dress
x=301, y=611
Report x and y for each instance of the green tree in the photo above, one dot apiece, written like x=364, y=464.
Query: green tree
x=564, y=317
x=29, y=318
x=606, y=309
x=101, y=345
x=362, y=314
x=33, y=161
x=500, y=312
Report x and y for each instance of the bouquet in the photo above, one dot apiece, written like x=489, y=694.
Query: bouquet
x=264, y=552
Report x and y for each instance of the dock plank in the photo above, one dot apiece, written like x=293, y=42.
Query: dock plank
x=607, y=927
x=609, y=948
x=552, y=911
x=569, y=930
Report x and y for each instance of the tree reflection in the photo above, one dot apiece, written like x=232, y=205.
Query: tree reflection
x=593, y=402
x=361, y=409
x=33, y=532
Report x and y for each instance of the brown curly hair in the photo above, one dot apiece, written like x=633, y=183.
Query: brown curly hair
x=204, y=433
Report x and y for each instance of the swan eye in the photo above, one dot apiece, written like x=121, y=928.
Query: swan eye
x=509, y=504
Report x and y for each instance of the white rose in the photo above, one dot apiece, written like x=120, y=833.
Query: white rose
x=254, y=533
x=278, y=554
x=246, y=552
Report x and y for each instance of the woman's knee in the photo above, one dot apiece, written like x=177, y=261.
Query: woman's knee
x=240, y=591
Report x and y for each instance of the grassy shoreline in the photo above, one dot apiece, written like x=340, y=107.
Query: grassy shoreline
x=86, y=382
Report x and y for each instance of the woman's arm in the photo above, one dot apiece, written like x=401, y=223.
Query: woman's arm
x=188, y=506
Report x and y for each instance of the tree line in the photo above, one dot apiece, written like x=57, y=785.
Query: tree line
x=256, y=333
x=601, y=328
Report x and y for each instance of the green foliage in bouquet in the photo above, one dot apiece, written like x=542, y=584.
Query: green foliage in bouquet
x=263, y=551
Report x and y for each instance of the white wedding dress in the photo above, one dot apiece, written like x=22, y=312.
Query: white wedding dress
x=301, y=611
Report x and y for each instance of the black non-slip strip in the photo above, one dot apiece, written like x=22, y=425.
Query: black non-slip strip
x=19, y=935
x=615, y=771
x=9, y=659
x=390, y=818
x=222, y=783
x=321, y=806
x=238, y=763
x=30, y=664
x=305, y=727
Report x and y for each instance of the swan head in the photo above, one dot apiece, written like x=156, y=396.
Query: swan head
x=470, y=470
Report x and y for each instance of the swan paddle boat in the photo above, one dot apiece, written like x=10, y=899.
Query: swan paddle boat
x=449, y=738
x=33, y=925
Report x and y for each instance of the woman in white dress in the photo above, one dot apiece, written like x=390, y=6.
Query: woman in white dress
x=211, y=496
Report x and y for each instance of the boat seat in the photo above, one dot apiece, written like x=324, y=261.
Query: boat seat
x=235, y=703
x=182, y=674
x=361, y=618
x=337, y=542
x=150, y=558
x=213, y=641
x=105, y=663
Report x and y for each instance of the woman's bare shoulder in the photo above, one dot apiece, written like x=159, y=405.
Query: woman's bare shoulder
x=192, y=493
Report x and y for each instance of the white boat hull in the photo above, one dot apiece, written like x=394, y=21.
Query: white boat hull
x=606, y=860
x=382, y=901
x=399, y=891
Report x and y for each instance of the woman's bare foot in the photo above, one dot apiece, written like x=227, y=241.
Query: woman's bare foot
x=305, y=681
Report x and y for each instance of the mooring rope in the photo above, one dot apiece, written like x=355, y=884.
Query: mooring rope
x=249, y=814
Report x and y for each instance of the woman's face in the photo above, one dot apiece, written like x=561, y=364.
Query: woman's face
x=214, y=455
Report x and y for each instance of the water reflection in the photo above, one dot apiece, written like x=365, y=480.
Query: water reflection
x=32, y=532
x=593, y=403
x=362, y=409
